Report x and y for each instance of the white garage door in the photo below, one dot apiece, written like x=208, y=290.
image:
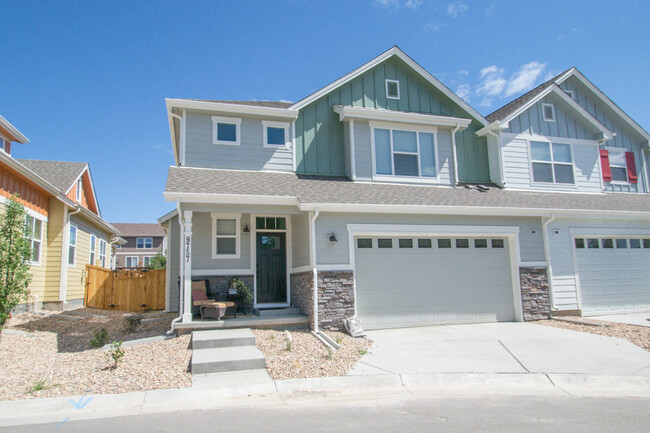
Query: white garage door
x=429, y=280
x=614, y=274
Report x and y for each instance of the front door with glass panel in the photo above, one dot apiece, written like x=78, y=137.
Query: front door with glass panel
x=271, y=268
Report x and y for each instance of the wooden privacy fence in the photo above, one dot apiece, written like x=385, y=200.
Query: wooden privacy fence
x=125, y=290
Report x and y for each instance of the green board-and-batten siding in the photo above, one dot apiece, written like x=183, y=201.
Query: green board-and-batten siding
x=319, y=132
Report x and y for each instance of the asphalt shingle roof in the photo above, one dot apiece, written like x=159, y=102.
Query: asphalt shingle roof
x=340, y=190
x=139, y=229
x=61, y=174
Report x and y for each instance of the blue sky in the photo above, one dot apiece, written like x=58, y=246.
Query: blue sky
x=86, y=81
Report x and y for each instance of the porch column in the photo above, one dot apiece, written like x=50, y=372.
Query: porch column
x=187, y=266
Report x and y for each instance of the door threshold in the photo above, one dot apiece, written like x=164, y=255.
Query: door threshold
x=271, y=305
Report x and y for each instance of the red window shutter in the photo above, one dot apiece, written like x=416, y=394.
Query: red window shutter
x=604, y=163
x=631, y=167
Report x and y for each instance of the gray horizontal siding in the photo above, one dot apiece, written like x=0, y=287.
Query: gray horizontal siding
x=300, y=240
x=517, y=172
x=249, y=155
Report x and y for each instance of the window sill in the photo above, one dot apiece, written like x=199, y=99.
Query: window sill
x=226, y=143
x=230, y=256
x=567, y=186
x=619, y=182
x=277, y=147
x=398, y=179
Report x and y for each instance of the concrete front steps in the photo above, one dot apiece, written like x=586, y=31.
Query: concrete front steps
x=225, y=350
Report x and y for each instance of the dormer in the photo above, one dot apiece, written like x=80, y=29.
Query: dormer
x=9, y=134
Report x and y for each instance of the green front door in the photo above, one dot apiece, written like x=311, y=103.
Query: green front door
x=271, y=268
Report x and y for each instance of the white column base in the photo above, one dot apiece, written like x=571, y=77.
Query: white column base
x=187, y=318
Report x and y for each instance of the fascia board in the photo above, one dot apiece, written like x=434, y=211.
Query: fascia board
x=346, y=112
x=190, y=197
x=596, y=91
x=170, y=119
x=285, y=113
x=497, y=124
x=15, y=133
x=169, y=215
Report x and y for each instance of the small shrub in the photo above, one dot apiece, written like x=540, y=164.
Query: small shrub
x=338, y=339
x=40, y=386
x=329, y=353
x=131, y=323
x=116, y=354
x=363, y=352
x=100, y=338
x=272, y=337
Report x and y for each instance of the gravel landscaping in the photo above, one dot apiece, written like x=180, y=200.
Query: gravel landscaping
x=308, y=356
x=49, y=355
x=639, y=335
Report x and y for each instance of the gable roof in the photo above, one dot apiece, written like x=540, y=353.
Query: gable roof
x=139, y=229
x=61, y=174
x=574, y=72
x=342, y=194
x=397, y=52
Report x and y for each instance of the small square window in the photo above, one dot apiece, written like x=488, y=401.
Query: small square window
x=406, y=243
x=621, y=243
x=392, y=89
x=226, y=130
x=593, y=243
x=635, y=243
x=548, y=111
x=462, y=243
x=424, y=243
x=444, y=243
x=580, y=243
x=364, y=243
x=480, y=243
x=385, y=243
x=276, y=134
x=497, y=243
x=646, y=243
x=608, y=243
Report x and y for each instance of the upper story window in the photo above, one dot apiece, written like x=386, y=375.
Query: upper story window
x=392, y=89
x=93, y=249
x=405, y=153
x=276, y=134
x=225, y=236
x=72, y=246
x=3, y=144
x=34, y=233
x=102, y=253
x=79, y=189
x=551, y=162
x=141, y=243
x=618, y=164
x=226, y=130
x=548, y=112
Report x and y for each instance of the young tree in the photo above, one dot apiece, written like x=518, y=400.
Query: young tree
x=15, y=254
x=158, y=262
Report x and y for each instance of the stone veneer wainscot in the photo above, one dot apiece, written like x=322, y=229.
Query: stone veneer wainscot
x=535, y=296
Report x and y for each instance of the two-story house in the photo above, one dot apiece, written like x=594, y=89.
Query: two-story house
x=385, y=196
x=143, y=242
x=66, y=228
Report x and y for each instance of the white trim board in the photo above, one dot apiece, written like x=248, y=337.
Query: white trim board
x=346, y=112
x=285, y=113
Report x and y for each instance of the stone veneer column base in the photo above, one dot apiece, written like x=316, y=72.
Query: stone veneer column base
x=535, y=293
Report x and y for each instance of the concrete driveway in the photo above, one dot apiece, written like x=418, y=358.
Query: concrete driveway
x=499, y=348
x=640, y=319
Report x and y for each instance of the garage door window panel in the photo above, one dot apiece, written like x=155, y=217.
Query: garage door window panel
x=498, y=243
x=621, y=243
x=462, y=243
x=608, y=243
x=364, y=243
x=424, y=243
x=593, y=243
x=635, y=243
x=551, y=162
x=580, y=243
x=406, y=243
x=405, y=153
x=384, y=243
x=444, y=243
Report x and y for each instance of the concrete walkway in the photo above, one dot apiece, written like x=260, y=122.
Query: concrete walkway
x=640, y=319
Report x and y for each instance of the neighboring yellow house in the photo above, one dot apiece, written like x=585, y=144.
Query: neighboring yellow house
x=64, y=215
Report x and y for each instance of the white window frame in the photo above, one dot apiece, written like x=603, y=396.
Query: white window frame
x=93, y=249
x=146, y=260
x=388, y=81
x=126, y=261
x=229, y=120
x=3, y=144
x=622, y=150
x=33, y=240
x=411, y=179
x=571, y=93
x=102, y=252
x=79, y=189
x=552, y=162
x=280, y=125
x=72, y=246
x=544, y=106
x=237, y=236
x=144, y=244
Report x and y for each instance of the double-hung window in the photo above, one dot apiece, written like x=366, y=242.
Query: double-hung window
x=226, y=130
x=618, y=164
x=276, y=134
x=225, y=236
x=72, y=246
x=131, y=261
x=34, y=233
x=551, y=162
x=102, y=253
x=93, y=249
x=142, y=243
x=405, y=153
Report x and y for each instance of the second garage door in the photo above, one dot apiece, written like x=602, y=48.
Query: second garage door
x=429, y=280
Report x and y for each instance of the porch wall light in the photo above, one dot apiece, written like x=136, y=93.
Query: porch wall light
x=332, y=238
x=246, y=229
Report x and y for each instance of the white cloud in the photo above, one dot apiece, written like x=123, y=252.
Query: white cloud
x=163, y=147
x=386, y=3
x=525, y=78
x=463, y=91
x=485, y=103
x=492, y=81
x=286, y=100
x=489, y=12
x=463, y=72
x=456, y=9
x=431, y=26
x=412, y=4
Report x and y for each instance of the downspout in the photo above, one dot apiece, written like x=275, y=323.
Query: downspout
x=453, y=151
x=502, y=180
x=181, y=305
x=312, y=254
x=547, y=257
x=64, y=268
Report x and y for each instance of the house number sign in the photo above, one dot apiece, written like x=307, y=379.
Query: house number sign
x=188, y=249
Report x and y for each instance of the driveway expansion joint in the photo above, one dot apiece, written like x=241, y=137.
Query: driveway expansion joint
x=511, y=354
